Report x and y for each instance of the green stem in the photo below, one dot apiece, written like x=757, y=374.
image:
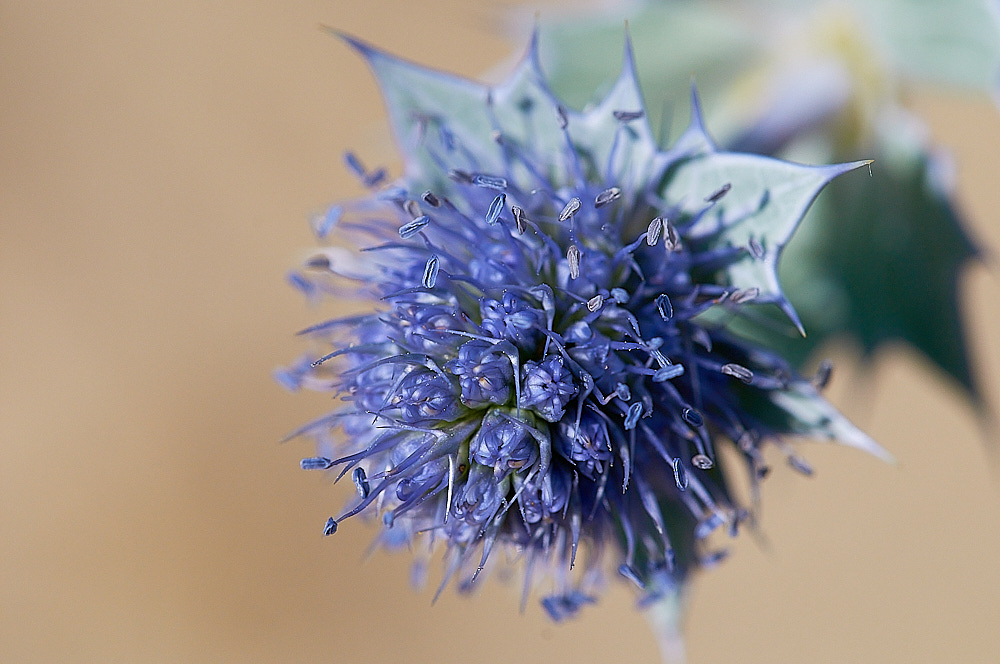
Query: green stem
x=664, y=616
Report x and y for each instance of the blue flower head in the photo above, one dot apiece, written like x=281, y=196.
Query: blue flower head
x=553, y=360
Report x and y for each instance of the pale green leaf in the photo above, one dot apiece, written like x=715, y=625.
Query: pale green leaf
x=955, y=42
x=809, y=414
x=433, y=113
x=620, y=150
x=765, y=203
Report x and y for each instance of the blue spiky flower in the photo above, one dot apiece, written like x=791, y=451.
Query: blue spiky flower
x=551, y=363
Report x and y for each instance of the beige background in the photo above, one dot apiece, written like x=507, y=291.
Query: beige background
x=158, y=164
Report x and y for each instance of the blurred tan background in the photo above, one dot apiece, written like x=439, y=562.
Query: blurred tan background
x=158, y=166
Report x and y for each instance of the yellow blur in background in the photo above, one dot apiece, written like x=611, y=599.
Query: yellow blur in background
x=159, y=163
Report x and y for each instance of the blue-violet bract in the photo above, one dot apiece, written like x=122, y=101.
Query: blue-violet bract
x=549, y=365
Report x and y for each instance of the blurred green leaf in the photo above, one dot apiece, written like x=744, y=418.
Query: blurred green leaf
x=954, y=42
x=880, y=263
x=680, y=41
x=879, y=260
x=890, y=251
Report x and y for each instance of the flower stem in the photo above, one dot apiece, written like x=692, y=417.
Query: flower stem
x=664, y=616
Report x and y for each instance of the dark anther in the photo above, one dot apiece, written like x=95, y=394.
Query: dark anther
x=680, y=475
x=361, y=482
x=489, y=181
x=496, y=207
x=738, y=371
x=719, y=193
x=570, y=209
x=702, y=462
x=653, y=231
x=430, y=272
x=411, y=228
x=628, y=116
x=670, y=239
x=823, y=374
x=460, y=176
x=664, y=307
x=634, y=411
x=692, y=417
x=607, y=196
x=561, y=117
x=668, y=372
x=744, y=295
x=518, y=218
x=573, y=258
x=315, y=463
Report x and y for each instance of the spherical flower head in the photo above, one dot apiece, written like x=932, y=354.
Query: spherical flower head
x=554, y=358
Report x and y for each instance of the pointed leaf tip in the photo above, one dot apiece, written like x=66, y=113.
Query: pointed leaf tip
x=698, y=117
x=362, y=47
x=628, y=55
x=813, y=416
x=533, y=54
x=419, y=99
x=836, y=170
x=535, y=37
x=695, y=140
x=793, y=316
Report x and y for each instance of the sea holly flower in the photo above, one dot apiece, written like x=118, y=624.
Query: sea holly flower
x=550, y=361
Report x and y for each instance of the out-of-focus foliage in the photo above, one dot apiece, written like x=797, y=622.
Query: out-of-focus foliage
x=880, y=261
